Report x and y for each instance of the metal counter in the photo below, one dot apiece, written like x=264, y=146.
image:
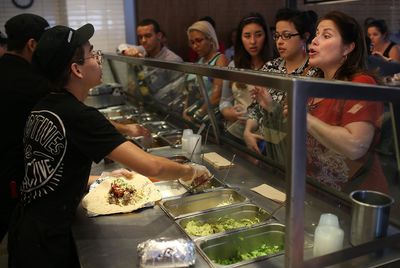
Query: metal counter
x=111, y=241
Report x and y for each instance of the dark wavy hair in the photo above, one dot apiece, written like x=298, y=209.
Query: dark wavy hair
x=242, y=58
x=381, y=26
x=303, y=21
x=351, y=32
x=147, y=22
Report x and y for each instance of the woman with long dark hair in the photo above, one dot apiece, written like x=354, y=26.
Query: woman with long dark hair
x=266, y=127
x=253, y=48
x=343, y=133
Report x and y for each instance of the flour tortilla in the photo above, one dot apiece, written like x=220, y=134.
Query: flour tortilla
x=96, y=201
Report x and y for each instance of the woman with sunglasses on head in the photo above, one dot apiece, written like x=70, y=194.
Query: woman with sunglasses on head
x=380, y=44
x=342, y=133
x=203, y=40
x=253, y=48
x=293, y=30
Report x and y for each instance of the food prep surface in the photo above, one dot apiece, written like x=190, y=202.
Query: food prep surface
x=111, y=241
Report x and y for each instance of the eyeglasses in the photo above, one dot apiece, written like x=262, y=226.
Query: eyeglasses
x=284, y=35
x=96, y=54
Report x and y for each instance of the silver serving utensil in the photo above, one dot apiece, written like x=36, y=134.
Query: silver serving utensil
x=271, y=215
x=229, y=168
x=201, y=128
x=194, y=149
x=194, y=187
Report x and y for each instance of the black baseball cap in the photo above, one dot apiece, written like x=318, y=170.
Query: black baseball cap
x=57, y=47
x=24, y=27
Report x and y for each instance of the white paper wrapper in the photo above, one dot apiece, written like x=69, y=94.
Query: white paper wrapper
x=96, y=201
x=164, y=252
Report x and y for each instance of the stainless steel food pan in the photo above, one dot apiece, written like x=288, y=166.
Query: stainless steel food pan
x=149, y=144
x=190, y=205
x=231, y=245
x=244, y=211
x=158, y=127
x=173, y=137
x=179, y=159
x=146, y=117
x=170, y=189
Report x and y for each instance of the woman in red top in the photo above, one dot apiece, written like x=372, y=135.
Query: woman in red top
x=342, y=133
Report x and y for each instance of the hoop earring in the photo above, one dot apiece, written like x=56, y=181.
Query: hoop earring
x=344, y=59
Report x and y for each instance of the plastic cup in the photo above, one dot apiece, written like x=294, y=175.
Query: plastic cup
x=186, y=133
x=328, y=219
x=194, y=144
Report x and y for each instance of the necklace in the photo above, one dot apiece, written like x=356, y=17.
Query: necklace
x=313, y=104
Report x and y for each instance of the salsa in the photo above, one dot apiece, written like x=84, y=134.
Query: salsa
x=121, y=193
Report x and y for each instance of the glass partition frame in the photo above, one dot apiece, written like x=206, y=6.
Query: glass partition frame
x=298, y=89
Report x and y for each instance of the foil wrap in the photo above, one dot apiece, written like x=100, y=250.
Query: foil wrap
x=165, y=252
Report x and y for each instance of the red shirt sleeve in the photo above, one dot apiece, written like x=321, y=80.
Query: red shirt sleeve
x=360, y=110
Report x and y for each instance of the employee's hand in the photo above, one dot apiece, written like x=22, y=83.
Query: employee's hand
x=200, y=172
x=119, y=173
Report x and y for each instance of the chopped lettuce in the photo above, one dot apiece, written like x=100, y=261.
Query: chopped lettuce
x=199, y=228
x=264, y=250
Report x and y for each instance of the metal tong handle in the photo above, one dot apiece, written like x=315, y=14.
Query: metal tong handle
x=229, y=168
x=192, y=188
x=194, y=149
x=271, y=215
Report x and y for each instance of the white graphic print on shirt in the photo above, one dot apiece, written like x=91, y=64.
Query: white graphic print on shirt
x=45, y=146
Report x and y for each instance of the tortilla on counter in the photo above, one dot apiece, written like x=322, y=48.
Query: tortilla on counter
x=96, y=201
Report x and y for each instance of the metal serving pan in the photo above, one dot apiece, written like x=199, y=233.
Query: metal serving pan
x=193, y=204
x=170, y=189
x=181, y=159
x=148, y=144
x=229, y=246
x=173, y=137
x=211, y=185
x=240, y=212
x=147, y=117
x=158, y=127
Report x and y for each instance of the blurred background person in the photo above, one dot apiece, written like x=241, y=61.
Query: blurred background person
x=253, y=48
x=380, y=43
x=367, y=21
x=342, y=133
x=230, y=51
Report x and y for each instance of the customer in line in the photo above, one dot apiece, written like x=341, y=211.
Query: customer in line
x=21, y=88
x=151, y=45
x=253, y=48
x=266, y=128
x=342, y=133
x=204, y=41
x=62, y=138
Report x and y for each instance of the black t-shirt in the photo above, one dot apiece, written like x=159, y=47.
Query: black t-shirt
x=62, y=138
x=20, y=88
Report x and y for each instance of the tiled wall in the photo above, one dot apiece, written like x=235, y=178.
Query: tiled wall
x=107, y=17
